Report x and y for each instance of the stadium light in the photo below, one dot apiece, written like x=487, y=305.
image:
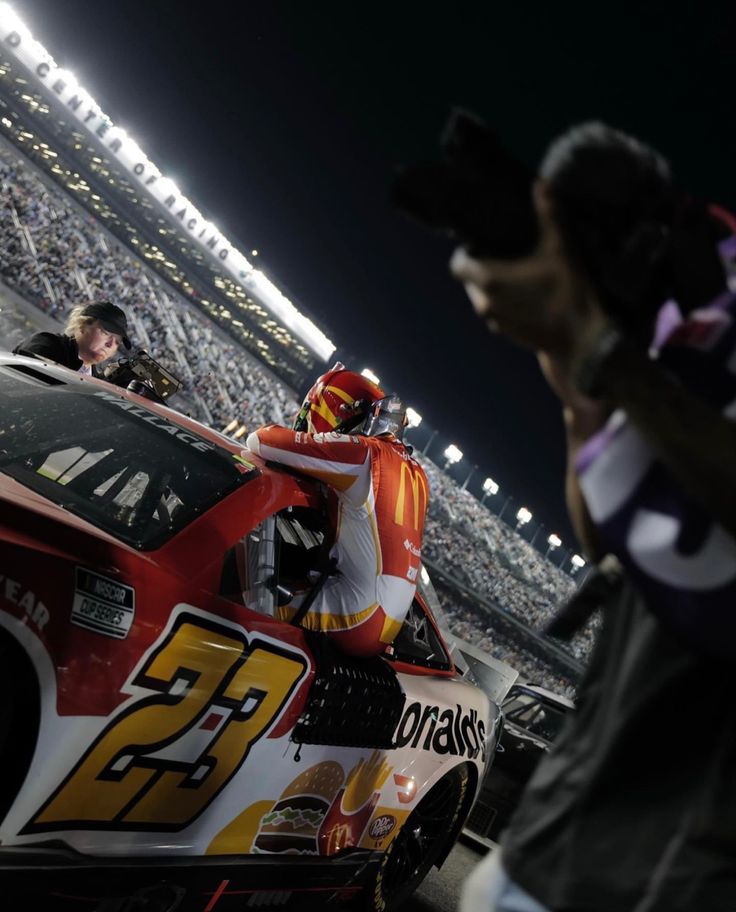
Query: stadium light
x=577, y=562
x=553, y=541
x=254, y=253
x=240, y=432
x=230, y=427
x=367, y=372
x=10, y=20
x=489, y=487
x=522, y=517
x=452, y=455
x=413, y=419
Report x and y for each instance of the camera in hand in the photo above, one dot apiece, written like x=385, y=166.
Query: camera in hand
x=142, y=375
x=638, y=237
x=478, y=193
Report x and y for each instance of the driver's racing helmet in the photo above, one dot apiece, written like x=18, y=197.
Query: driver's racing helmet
x=346, y=402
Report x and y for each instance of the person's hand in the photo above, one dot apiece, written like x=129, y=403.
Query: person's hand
x=541, y=301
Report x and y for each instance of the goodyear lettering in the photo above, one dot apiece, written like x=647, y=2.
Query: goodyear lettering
x=418, y=496
x=34, y=608
x=447, y=731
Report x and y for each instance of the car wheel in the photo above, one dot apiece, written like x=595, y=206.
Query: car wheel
x=19, y=719
x=419, y=843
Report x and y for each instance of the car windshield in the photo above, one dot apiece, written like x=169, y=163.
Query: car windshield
x=127, y=470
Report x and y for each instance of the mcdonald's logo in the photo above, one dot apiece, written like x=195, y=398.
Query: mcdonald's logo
x=340, y=836
x=418, y=495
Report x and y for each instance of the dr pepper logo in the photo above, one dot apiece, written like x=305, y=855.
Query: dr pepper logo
x=381, y=826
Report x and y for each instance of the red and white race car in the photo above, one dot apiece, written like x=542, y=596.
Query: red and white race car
x=163, y=734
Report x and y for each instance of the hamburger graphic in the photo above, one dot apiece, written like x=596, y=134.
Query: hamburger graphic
x=292, y=824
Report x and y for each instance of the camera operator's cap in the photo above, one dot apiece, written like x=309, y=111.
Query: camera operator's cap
x=111, y=318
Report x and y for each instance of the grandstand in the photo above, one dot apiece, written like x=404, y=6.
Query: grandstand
x=59, y=127
x=75, y=227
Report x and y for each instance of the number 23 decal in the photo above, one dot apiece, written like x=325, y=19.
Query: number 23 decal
x=161, y=761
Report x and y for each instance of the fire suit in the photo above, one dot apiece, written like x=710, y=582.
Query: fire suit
x=382, y=495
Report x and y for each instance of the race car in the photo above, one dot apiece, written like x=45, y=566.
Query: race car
x=167, y=739
x=532, y=719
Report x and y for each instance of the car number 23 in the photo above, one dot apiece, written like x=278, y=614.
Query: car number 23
x=161, y=761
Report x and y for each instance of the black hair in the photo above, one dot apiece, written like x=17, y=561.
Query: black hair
x=640, y=238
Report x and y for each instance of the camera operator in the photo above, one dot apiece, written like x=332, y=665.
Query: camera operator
x=93, y=334
x=634, y=808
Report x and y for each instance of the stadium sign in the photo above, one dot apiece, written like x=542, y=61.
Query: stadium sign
x=61, y=85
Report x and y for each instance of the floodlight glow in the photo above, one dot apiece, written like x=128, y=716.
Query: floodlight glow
x=288, y=314
x=167, y=186
x=63, y=86
x=367, y=372
x=240, y=432
x=577, y=561
x=453, y=454
x=231, y=427
x=490, y=486
x=254, y=253
x=523, y=516
x=413, y=419
x=554, y=541
x=425, y=576
x=9, y=20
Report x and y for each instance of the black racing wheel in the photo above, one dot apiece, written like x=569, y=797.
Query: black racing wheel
x=19, y=718
x=420, y=843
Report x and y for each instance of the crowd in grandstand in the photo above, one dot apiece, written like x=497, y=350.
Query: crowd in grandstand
x=467, y=622
x=476, y=547
x=55, y=255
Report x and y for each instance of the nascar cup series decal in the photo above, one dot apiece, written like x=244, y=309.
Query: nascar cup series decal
x=102, y=605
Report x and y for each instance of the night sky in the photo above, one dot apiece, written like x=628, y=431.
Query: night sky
x=284, y=121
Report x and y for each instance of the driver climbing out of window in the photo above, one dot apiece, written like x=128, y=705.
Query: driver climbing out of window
x=348, y=434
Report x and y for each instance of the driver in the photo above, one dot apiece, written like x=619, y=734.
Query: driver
x=348, y=434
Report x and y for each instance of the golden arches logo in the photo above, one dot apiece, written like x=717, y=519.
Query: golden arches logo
x=418, y=494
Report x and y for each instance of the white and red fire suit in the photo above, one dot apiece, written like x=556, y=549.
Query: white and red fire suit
x=382, y=495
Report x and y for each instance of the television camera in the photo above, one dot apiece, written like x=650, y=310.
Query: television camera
x=143, y=375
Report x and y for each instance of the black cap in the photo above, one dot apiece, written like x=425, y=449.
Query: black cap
x=111, y=318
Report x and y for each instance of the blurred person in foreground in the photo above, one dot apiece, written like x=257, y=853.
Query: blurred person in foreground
x=348, y=434
x=92, y=335
x=634, y=808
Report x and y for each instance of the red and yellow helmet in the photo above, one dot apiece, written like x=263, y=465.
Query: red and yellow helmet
x=340, y=400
